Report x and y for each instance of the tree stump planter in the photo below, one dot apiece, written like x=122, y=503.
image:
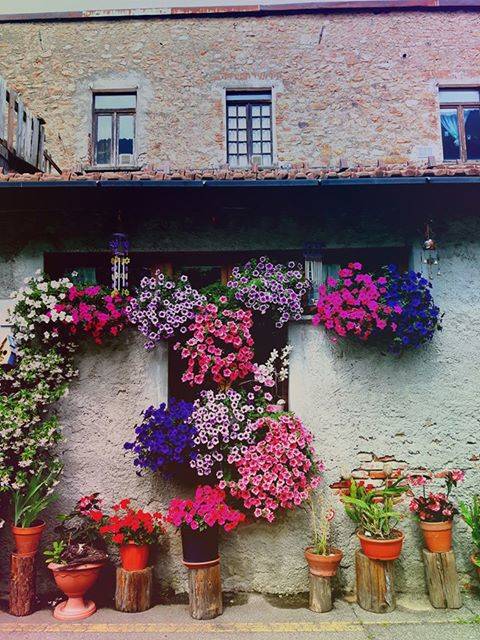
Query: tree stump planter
x=442, y=580
x=320, y=594
x=375, y=584
x=22, y=585
x=205, y=589
x=134, y=590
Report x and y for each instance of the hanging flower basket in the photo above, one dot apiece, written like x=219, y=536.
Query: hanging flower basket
x=395, y=310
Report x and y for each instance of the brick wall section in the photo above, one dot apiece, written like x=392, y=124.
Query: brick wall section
x=356, y=86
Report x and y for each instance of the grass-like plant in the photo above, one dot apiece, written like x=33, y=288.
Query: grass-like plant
x=471, y=515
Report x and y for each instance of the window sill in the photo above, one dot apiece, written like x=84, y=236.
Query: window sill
x=109, y=168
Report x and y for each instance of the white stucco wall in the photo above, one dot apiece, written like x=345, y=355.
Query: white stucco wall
x=421, y=408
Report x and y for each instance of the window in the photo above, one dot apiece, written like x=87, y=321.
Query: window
x=460, y=122
x=114, y=128
x=249, y=128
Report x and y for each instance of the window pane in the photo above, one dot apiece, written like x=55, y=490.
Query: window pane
x=255, y=111
x=232, y=123
x=450, y=134
x=242, y=136
x=457, y=96
x=242, y=123
x=256, y=123
x=115, y=101
x=266, y=160
x=266, y=110
x=232, y=111
x=242, y=111
x=125, y=134
x=472, y=133
x=103, y=151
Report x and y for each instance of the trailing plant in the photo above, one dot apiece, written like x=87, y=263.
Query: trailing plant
x=223, y=428
x=35, y=496
x=164, y=440
x=162, y=307
x=396, y=310
x=218, y=346
x=207, y=509
x=278, y=472
x=264, y=286
x=435, y=507
x=471, y=515
x=373, y=509
x=352, y=304
x=419, y=317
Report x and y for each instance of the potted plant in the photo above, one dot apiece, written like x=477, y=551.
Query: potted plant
x=76, y=558
x=28, y=502
x=435, y=511
x=323, y=558
x=471, y=515
x=134, y=531
x=199, y=521
x=373, y=510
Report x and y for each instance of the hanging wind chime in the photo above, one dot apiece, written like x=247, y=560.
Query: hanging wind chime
x=120, y=262
x=430, y=255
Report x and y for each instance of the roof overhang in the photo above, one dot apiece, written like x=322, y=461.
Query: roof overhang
x=199, y=8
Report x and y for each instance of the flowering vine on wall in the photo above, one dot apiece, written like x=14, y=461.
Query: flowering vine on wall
x=217, y=438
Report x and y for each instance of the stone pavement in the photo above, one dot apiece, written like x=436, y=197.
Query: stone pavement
x=255, y=617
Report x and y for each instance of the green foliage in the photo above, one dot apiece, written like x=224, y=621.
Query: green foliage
x=471, y=515
x=35, y=496
x=373, y=510
x=54, y=552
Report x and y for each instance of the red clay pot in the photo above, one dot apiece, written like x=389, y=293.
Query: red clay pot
x=379, y=549
x=27, y=539
x=74, y=583
x=134, y=557
x=437, y=536
x=325, y=566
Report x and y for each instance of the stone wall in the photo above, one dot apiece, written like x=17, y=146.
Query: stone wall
x=358, y=86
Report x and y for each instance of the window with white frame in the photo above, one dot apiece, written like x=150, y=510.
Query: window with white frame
x=460, y=123
x=249, y=128
x=114, y=129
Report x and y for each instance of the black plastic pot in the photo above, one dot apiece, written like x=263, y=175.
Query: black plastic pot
x=199, y=546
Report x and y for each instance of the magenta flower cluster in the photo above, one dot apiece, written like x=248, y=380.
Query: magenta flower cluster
x=279, y=471
x=224, y=427
x=163, y=307
x=263, y=286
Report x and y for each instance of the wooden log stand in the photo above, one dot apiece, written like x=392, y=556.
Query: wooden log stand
x=133, y=591
x=320, y=594
x=375, y=584
x=205, y=590
x=22, y=585
x=442, y=580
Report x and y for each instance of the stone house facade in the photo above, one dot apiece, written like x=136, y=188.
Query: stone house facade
x=353, y=156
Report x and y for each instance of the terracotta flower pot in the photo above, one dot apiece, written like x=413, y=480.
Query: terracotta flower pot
x=325, y=566
x=380, y=549
x=75, y=582
x=134, y=557
x=27, y=539
x=199, y=547
x=437, y=536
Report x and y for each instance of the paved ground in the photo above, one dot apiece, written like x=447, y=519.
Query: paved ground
x=255, y=617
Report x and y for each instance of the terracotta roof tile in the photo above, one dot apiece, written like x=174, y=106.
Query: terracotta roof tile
x=295, y=172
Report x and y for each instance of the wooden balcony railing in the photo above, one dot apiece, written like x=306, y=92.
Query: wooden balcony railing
x=22, y=136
